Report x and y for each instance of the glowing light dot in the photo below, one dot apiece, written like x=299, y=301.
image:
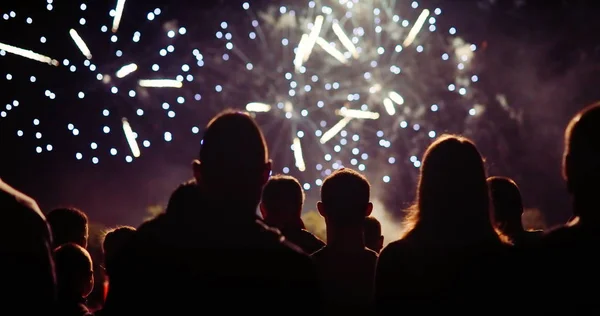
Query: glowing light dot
x=19, y=133
x=78, y=156
x=195, y=130
x=94, y=146
x=128, y=159
x=38, y=135
x=150, y=16
x=218, y=88
x=182, y=30
x=386, y=179
x=38, y=149
x=75, y=132
x=168, y=136
x=245, y=5
x=417, y=164
x=146, y=143
x=113, y=151
x=171, y=34
x=452, y=31
x=434, y=107
x=474, y=78
x=36, y=122
x=95, y=160
x=432, y=134
x=105, y=112
x=472, y=112
x=180, y=100
x=171, y=114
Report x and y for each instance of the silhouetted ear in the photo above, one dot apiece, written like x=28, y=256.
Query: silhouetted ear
x=369, y=209
x=263, y=211
x=196, y=169
x=321, y=209
x=267, y=171
x=568, y=172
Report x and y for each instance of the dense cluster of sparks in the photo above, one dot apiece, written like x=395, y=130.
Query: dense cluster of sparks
x=347, y=79
x=121, y=83
x=337, y=81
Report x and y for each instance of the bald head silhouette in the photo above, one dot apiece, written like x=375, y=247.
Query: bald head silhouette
x=581, y=159
x=233, y=163
x=508, y=204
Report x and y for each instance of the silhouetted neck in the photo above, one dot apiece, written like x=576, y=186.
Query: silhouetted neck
x=345, y=237
x=587, y=208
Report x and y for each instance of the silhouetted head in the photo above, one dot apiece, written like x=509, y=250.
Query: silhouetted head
x=452, y=194
x=581, y=159
x=233, y=163
x=345, y=199
x=68, y=225
x=74, y=271
x=373, y=237
x=282, y=201
x=185, y=199
x=114, y=240
x=507, y=205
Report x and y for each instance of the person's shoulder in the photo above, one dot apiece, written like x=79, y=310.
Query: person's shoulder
x=371, y=254
x=559, y=234
x=22, y=211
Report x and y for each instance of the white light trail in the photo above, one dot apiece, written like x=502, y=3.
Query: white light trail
x=130, y=136
x=389, y=106
x=327, y=136
x=331, y=50
x=337, y=29
x=80, y=44
x=357, y=114
x=396, y=97
x=297, y=146
x=312, y=38
x=126, y=70
x=118, y=15
x=29, y=54
x=160, y=83
x=258, y=107
x=412, y=34
x=300, y=52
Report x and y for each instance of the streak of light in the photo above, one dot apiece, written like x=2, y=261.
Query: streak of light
x=126, y=70
x=357, y=114
x=258, y=107
x=118, y=15
x=80, y=44
x=396, y=97
x=389, y=106
x=327, y=136
x=160, y=83
x=300, y=52
x=28, y=54
x=337, y=29
x=130, y=136
x=298, y=155
x=331, y=50
x=313, y=37
x=412, y=34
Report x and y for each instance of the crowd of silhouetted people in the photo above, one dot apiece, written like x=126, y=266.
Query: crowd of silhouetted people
x=464, y=249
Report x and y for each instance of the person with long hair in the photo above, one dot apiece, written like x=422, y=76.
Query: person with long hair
x=447, y=252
